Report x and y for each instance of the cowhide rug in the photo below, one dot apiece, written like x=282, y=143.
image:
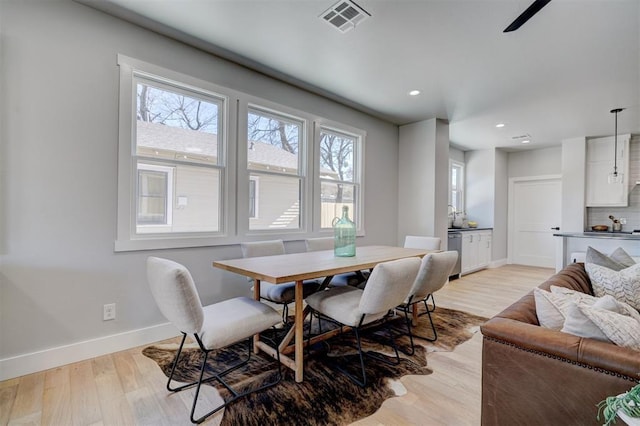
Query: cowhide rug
x=326, y=397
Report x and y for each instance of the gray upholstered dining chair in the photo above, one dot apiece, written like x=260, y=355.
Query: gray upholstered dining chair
x=213, y=327
x=387, y=287
x=434, y=272
x=348, y=278
x=420, y=242
x=426, y=243
x=277, y=293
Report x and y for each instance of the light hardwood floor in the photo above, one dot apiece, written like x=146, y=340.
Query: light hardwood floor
x=127, y=388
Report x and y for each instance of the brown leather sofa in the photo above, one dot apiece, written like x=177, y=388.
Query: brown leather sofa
x=536, y=376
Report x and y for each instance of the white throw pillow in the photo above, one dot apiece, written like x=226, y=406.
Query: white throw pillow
x=623, y=285
x=550, y=307
x=620, y=329
x=579, y=324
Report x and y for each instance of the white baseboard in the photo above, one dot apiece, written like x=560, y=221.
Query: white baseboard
x=55, y=357
x=498, y=263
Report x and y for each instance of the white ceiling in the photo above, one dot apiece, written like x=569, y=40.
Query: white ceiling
x=555, y=78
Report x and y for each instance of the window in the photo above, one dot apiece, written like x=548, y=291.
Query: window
x=177, y=127
x=339, y=175
x=204, y=165
x=456, y=185
x=274, y=156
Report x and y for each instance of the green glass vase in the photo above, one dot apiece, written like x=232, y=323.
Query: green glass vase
x=344, y=233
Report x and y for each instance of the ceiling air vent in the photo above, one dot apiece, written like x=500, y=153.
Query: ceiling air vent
x=344, y=15
x=520, y=137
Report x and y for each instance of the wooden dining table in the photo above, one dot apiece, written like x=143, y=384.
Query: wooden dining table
x=299, y=267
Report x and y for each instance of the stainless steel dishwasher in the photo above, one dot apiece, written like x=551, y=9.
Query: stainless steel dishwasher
x=455, y=243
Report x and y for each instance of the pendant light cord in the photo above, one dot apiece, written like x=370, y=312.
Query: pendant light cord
x=615, y=142
x=615, y=148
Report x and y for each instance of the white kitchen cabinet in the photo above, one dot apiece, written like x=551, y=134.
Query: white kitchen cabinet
x=476, y=250
x=484, y=249
x=600, y=162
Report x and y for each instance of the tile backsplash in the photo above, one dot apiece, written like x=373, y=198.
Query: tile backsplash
x=600, y=215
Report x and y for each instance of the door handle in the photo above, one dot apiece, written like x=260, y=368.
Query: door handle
x=557, y=228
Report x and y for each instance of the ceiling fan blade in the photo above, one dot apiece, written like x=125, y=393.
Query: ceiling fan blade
x=526, y=15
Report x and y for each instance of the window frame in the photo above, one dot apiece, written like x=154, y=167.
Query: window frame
x=234, y=174
x=127, y=237
x=255, y=211
x=460, y=182
x=359, y=137
x=251, y=103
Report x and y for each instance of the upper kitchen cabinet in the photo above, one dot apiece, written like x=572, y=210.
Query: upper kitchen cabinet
x=600, y=162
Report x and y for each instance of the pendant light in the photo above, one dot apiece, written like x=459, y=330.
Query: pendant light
x=615, y=177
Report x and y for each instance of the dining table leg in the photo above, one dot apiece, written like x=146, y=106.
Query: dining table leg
x=299, y=327
x=256, y=296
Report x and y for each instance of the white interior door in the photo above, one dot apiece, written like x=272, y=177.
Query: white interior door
x=534, y=216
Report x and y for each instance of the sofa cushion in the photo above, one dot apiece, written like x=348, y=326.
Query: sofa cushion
x=624, y=285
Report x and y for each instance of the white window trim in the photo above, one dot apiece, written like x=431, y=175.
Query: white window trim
x=256, y=198
x=453, y=163
x=358, y=172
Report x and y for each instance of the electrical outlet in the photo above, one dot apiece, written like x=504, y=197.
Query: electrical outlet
x=109, y=312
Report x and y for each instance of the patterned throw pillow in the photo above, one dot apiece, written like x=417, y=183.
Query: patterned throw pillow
x=620, y=329
x=623, y=285
x=607, y=301
x=550, y=308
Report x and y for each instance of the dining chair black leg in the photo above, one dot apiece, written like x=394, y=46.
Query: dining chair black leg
x=360, y=382
x=407, y=320
x=383, y=358
x=433, y=329
x=219, y=377
x=433, y=302
x=173, y=369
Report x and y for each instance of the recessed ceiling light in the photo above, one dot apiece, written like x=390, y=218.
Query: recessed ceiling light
x=414, y=93
x=500, y=125
x=526, y=141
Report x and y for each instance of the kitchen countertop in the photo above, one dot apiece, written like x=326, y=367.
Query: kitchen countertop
x=606, y=235
x=469, y=229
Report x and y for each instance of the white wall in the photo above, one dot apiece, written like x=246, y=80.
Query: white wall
x=59, y=160
x=456, y=154
x=487, y=195
x=574, y=156
x=422, y=179
x=535, y=162
x=480, y=186
x=500, y=219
